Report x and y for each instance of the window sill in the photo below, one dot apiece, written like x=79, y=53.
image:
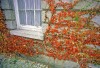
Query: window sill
x=28, y=33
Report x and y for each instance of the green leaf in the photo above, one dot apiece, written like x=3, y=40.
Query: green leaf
x=76, y=18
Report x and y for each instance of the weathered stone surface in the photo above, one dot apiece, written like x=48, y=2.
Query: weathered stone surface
x=9, y=14
x=93, y=66
x=39, y=61
x=11, y=24
x=5, y=4
x=87, y=4
x=96, y=19
x=16, y=62
x=54, y=63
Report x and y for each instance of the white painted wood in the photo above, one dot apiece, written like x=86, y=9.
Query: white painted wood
x=16, y=13
x=34, y=12
x=28, y=34
x=35, y=33
x=19, y=26
x=29, y=31
x=25, y=11
x=34, y=28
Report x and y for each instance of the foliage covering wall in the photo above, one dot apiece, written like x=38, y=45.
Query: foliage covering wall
x=67, y=37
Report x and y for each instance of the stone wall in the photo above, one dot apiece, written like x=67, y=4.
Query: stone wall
x=10, y=18
x=8, y=10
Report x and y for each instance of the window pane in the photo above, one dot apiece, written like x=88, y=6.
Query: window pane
x=37, y=18
x=29, y=4
x=26, y=12
x=30, y=17
x=32, y=4
x=22, y=17
x=21, y=4
x=37, y=4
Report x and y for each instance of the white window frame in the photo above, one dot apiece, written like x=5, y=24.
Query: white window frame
x=35, y=32
x=26, y=27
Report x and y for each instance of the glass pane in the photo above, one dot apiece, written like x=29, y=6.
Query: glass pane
x=29, y=4
x=30, y=17
x=22, y=17
x=32, y=4
x=37, y=4
x=21, y=4
x=37, y=18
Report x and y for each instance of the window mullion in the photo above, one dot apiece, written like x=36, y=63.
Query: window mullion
x=40, y=12
x=25, y=11
x=34, y=12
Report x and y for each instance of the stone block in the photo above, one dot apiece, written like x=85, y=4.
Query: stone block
x=96, y=19
x=9, y=14
x=86, y=4
x=7, y=4
x=44, y=5
x=48, y=15
x=11, y=24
